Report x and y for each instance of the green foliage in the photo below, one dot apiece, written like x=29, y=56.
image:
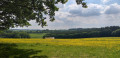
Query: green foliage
x=85, y=33
x=15, y=13
x=74, y=33
x=14, y=34
x=94, y=34
x=116, y=33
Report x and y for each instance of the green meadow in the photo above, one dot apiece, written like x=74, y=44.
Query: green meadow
x=39, y=48
x=37, y=35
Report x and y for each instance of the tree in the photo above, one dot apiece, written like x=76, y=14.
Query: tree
x=15, y=13
x=94, y=34
x=14, y=34
x=116, y=33
x=24, y=35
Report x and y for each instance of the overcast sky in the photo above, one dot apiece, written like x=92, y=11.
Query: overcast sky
x=100, y=13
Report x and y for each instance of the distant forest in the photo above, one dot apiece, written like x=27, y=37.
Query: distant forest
x=110, y=31
x=14, y=34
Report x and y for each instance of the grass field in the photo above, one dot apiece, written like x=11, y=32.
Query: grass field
x=37, y=35
x=108, y=47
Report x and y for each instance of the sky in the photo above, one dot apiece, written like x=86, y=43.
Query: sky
x=100, y=13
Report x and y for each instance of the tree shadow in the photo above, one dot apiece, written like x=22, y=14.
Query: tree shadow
x=10, y=51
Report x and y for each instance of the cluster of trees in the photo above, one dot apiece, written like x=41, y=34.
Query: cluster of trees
x=116, y=32
x=14, y=34
x=112, y=31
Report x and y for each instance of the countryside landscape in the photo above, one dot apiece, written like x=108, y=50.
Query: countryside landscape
x=59, y=29
x=79, y=43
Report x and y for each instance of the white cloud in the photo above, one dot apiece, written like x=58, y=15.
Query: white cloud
x=92, y=10
x=74, y=16
x=60, y=5
x=105, y=1
x=112, y=9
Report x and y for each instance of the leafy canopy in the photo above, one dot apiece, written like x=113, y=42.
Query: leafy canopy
x=15, y=13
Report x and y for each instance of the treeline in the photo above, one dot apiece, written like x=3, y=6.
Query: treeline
x=14, y=34
x=112, y=31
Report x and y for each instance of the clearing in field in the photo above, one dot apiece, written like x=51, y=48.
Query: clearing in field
x=108, y=47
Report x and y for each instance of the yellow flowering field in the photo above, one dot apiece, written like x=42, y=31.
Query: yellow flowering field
x=105, y=42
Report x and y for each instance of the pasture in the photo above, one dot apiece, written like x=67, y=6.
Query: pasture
x=106, y=47
x=37, y=35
